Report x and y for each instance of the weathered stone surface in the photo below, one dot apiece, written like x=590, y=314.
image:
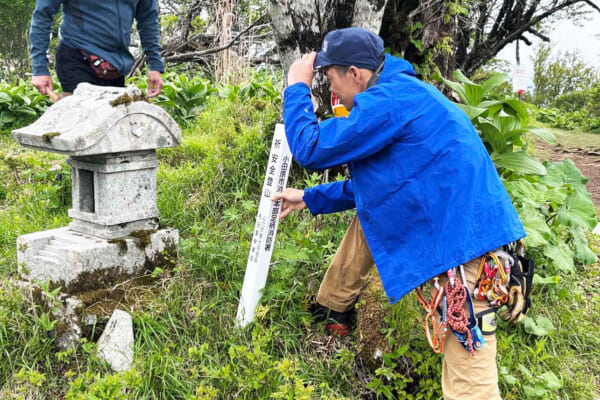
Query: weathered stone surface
x=87, y=124
x=114, y=195
x=116, y=343
x=69, y=320
x=78, y=262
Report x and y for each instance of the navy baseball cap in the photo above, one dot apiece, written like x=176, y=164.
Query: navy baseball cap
x=350, y=46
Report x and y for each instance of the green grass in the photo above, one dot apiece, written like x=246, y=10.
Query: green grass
x=576, y=138
x=186, y=343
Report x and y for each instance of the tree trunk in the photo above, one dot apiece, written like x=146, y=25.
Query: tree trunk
x=299, y=27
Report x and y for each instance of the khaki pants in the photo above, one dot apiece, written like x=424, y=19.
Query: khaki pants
x=463, y=377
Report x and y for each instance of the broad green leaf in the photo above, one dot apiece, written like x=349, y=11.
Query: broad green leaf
x=472, y=112
x=520, y=162
x=459, y=76
x=578, y=210
x=552, y=381
x=493, y=81
x=538, y=231
x=530, y=392
x=510, y=379
x=516, y=108
x=558, y=196
x=457, y=87
x=6, y=117
x=583, y=253
x=533, y=392
x=506, y=123
x=537, y=193
x=494, y=109
x=25, y=110
x=5, y=98
x=493, y=136
x=546, y=280
x=562, y=173
x=474, y=94
x=561, y=256
x=539, y=326
x=543, y=134
x=490, y=103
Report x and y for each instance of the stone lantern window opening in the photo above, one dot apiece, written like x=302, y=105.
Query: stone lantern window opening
x=87, y=202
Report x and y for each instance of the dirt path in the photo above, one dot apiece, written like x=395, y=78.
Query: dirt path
x=586, y=159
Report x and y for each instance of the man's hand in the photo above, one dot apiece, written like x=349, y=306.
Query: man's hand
x=43, y=83
x=154, y=83
x=292, y=200
x=302, y=70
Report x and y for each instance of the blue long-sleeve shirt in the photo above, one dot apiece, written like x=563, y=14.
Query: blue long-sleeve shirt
x=102, y=28
x=425, y=190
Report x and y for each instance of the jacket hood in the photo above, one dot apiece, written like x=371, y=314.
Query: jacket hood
x=394, y=66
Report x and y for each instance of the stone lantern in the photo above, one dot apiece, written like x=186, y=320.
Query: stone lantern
x=111, y=136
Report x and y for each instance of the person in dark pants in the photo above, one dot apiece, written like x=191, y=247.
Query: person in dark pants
x=94, y=43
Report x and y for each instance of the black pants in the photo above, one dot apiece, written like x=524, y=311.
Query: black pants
x=72, y=69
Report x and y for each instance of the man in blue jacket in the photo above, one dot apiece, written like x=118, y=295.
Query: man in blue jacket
x=427, y=196
x=94, y=43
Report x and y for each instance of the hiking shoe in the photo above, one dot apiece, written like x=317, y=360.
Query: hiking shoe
x=336, y=323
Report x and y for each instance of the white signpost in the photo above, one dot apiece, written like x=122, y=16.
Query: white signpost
x=519, y=79
x=265, y=228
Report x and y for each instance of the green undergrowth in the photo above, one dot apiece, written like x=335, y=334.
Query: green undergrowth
x=187, y=345
x=35, y=192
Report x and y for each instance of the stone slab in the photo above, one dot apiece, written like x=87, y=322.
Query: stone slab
x=115, y=346
x=87, y=124
x=110, y=232
x=77, y=262
x=117, y=163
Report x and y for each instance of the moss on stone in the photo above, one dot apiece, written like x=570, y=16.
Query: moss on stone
x=122, y=243
x=46, y=137
x=143, y=237
x=126, y=99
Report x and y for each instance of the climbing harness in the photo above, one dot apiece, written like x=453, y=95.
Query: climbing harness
x=492, y=280
x=451, y=298
x=520, y=284
x=504, y=279
x=464, y=327
x=437, y=334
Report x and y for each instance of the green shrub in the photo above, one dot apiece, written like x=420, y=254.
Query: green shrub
x=571, y=101
x=20, y=105
x=551, y=199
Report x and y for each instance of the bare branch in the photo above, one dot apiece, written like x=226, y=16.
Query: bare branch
x=525, y=40
x=194, y=55
x=538, y=34
x=592, y=4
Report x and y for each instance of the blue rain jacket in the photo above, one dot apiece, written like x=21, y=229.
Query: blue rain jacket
x=100, y=27
x=425, y=190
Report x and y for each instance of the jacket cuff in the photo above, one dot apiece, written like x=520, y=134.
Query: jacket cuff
x=40, y=70
x=296, y=87
x=156, y=65
x=309, y=199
